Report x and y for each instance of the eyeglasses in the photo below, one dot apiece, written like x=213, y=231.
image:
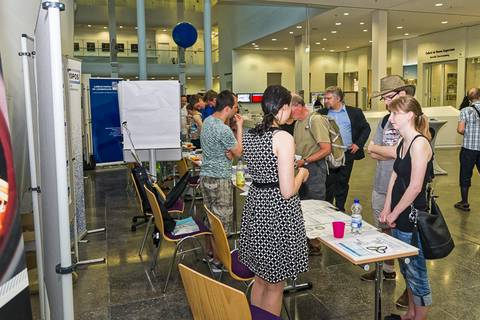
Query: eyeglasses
x=384, y=98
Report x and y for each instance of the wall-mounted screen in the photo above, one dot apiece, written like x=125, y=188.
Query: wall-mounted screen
x=257, y=97
x=244, y=98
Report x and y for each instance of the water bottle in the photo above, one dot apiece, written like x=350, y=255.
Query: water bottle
x=356, y=222
x=240, y=175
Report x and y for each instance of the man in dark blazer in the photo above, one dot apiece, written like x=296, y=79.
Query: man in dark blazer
x=355, y=130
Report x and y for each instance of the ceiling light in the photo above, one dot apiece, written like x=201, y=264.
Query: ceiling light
x=136, y=28
x=291, y=32
x=362, y=23
x=153, y=78
x=365, y=30
x=164, y=30
x=438, y=4
x=331, y=50
x=323, y=48
x=444, y=22
x=107, y=27
x=324, y=39
x=299, y=27
x=348, y=47
x=171, y=78
x=285, y=48
x=307, y=49
x=338, y=23
x=89, y=25
x=399, y=27
x=333, y=31
x=317, y=42
x=189, y=78
x=370, y=41
x=406, y=33
x=274, y=39
x=257, y=48
x=121, y=27
x=346, y=13
x=253, y=43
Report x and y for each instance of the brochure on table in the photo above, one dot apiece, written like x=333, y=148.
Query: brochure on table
x=370, y=246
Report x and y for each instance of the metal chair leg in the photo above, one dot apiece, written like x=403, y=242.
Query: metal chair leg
x=147, y=229
x=155, y=256
x=286, y=310
x=192, y=204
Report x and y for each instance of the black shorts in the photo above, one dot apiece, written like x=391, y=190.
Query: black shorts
x=468, y=160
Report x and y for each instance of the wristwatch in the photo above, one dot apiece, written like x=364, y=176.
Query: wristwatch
x=305, y=162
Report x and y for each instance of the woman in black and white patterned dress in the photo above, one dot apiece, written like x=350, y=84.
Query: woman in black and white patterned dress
x=272, y=237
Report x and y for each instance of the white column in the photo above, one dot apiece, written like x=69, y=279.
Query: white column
x=112, y=31
x=302, y=67
x=207, y=39
x=379, y=51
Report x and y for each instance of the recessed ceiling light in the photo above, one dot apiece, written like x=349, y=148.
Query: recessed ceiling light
x=136, y=28
x=438, y=4
x=121, y=27
x=338, y=23
x=346, y=13
x=189, y=78
x=256, y=45
x=285, y=48
x=365, y=30
x=164, y=30
x=348, y=47
x=406, y=33
x=331, y=50
x=291, y=32
x=399, y=27
x=274, y=39
x=323, y=48
x=136, y=77
x=333, y=31
x=257, y=48
x=107, y=27
x=299, y=27
x=89, y=25
x=172, y=78
x=324, y=39
x=253, y=43
x=317, y=42
x=362, y=23
x=153, y=78
x=444, y=22
x=370, y=41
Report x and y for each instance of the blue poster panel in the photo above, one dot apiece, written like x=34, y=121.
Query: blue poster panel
x=106, y=133
x=14, y=293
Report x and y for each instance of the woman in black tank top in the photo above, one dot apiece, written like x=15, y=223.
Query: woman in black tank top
x=407, y=186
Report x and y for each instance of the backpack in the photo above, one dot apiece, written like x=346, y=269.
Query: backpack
x=336, y=158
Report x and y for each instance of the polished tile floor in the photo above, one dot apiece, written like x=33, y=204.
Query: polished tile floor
x=120, y=289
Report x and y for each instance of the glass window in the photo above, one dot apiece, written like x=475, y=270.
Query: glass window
x=105, y=47
x=76, y=46
x=134, y=47
x=90, y=46
x=121, y=47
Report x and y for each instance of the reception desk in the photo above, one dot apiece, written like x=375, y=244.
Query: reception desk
x=446, y=137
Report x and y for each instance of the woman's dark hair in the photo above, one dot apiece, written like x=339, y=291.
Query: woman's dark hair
x=274, y=98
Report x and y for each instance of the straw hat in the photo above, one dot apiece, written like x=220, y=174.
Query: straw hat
x=394, y=83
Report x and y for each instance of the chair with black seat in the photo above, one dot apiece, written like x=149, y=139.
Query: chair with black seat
x=193, y=184
x=159, y=210
x=212, y=300
x=140, y=177
x=173, y=202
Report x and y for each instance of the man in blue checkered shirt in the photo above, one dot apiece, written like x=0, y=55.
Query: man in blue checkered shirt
x=469, y=127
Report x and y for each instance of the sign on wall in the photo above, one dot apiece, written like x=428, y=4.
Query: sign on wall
x=106, y=133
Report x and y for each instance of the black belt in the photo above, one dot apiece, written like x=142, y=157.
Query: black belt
x=268, y=185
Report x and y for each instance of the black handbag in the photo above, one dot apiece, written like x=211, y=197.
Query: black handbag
x=435, y=237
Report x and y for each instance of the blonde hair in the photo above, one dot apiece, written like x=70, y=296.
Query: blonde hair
x=410, y=104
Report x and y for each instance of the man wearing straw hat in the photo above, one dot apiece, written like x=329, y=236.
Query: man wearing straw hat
x=383, y=149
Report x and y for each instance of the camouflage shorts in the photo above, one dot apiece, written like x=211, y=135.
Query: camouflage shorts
x=218, y=198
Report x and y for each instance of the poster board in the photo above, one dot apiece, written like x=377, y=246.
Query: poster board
x=106, y=134
x=14, y=293
x=150, y=111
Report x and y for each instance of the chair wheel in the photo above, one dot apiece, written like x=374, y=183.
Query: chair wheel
x=133, y=228
x=134, y=219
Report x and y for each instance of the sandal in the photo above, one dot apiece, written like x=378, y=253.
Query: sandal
x=462, y=206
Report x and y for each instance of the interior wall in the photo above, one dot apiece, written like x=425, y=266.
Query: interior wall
x=250, y=69
x=321, y=63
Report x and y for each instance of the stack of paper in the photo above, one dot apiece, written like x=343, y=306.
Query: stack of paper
x=184, y=226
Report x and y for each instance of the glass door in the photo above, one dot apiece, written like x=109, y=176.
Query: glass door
x=441, y=83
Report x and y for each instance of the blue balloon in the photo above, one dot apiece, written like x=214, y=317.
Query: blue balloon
x=184, y=34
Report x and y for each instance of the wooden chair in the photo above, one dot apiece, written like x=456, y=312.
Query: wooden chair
x=193, y=184
x=142, y=201
x=169, y=237
x=229, y=258
x=177, y=208
x=213, y=300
